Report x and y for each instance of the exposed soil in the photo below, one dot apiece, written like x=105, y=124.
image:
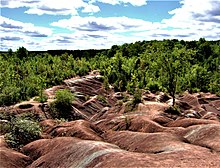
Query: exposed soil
x=111, y=132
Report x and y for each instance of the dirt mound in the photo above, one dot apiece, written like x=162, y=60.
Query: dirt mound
x=10, y=158
x=186, y=122
x=191, y=100
x=80, y=128
x=113, y=131
x=207, y=136
x=204, y=135
x=72, y=152
x=147, y=142
x=67, y=152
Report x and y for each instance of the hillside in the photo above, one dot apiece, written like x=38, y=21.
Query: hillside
x=169, y=66
x=144, y=104
x=110, y=129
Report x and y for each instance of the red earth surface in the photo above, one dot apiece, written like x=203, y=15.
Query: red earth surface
x=111, y=132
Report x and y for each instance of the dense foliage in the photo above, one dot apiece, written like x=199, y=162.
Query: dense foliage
x=62, y=106
x=20, y=129
x=170, y=65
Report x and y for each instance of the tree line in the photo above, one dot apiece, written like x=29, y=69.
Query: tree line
x=170, y=66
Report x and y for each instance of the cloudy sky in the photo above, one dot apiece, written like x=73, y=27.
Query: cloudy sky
x=88, y=24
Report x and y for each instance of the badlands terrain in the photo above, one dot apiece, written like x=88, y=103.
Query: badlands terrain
x=108, y=131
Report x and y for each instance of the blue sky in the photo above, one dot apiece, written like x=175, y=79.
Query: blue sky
x=96, y=24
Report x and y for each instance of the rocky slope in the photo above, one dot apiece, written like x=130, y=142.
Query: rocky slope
x=111, y=132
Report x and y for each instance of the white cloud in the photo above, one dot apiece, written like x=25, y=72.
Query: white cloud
x=194, y=14
x=18, y=3
x=57, y=7
x=195, y=19
x=15, y=34
x=52, y=7
x=64, y=7
x=29, y=29
x=15, y=40
x=91, y=9
x=117, y=2
x=100, y=24
x=192, y=20
x=87, y=40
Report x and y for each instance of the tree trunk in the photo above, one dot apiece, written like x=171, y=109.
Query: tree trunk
x=173, y=99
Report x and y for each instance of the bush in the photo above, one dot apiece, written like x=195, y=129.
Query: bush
x=32, y=116
x=42, y=98
x=5, y=127
x=130, y=106
x=62, y=106
x=5, y=122
x=153, y=86
x=137, y=96
x=23, y=132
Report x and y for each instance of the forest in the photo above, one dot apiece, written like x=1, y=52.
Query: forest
x=172, y=66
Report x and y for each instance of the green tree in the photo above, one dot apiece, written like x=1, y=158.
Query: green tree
x=22, y=52
x=173, y=65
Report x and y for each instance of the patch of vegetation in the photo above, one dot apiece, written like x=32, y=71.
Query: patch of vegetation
x=137, y=96
x=32, y=116
x=19, y=129
x=42, y=98
x=62, y=106
x=5, y=122
x=125, y=97
x=132, y=104
x=153, y=86
x=22, y=132
x=5, y=115
x=102, y=99
x=59, y=121
x=5, y=127
x=170, y=66
x=106, y=83
x=129, y=106
x=119, y=103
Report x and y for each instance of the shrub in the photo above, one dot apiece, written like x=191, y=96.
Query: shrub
x=33, y=116
x=106, y=83
x=153, y=86
x=137, y=96
x=4, y=115
x=42, y=98
x=5, y=127
x=62, y=106
x=5, y=122
x=23, y=132
x=129, y=106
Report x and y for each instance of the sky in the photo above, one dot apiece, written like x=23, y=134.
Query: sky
x=99, y=24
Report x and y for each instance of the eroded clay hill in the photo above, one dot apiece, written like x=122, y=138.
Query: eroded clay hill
x=110, y=132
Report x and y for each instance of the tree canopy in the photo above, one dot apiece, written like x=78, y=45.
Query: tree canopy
x=171, y=66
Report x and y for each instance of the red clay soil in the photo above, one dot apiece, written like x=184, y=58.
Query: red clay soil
x=72, y=152
x=186, y=122
x=10, y=158
x=80, y=128
x=112, y=134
